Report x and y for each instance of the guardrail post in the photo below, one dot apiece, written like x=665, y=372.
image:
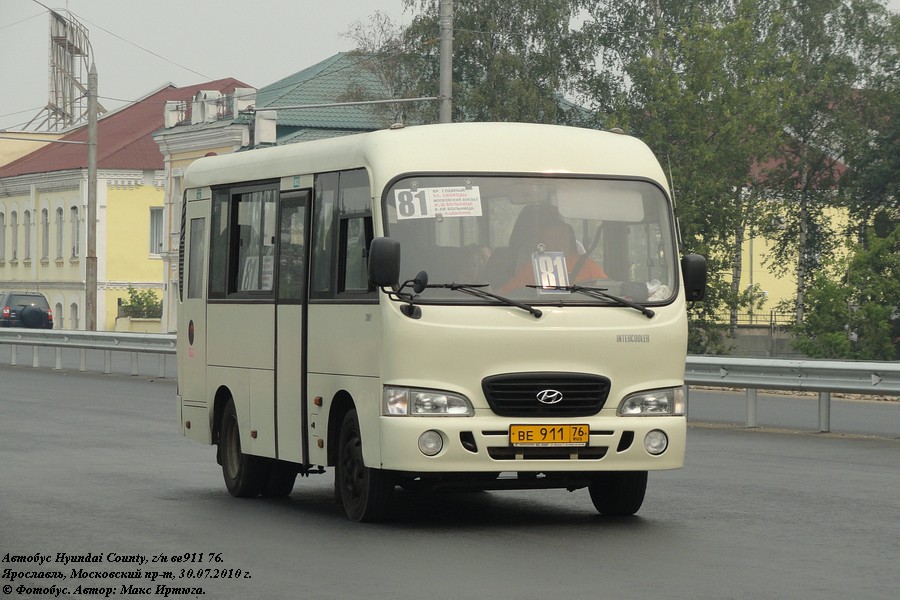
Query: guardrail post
x=82, y=365
x=161, y=374
x=824, y=412
x=134, y=364
x=35, y=357
x=58, y=365
x=751, y=407
x=14, y=359
x=107, y=362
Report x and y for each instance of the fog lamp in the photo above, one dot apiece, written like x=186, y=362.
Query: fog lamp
x=431, y=443
x=656, y=442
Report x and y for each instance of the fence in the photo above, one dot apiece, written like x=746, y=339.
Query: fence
x=822, y=376
x=751, y=374
x=107, y=342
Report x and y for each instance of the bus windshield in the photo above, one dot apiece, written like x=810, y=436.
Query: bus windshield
x=538, y=239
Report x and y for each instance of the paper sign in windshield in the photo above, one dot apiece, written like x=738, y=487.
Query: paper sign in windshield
x=550, y=272
x=429, y=203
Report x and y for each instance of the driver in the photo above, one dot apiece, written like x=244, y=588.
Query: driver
x=553, y=235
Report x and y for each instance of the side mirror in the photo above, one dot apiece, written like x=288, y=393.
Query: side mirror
x=693, y=269
x=384, y=262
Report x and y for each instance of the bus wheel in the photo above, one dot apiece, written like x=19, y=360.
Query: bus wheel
x=365, y=492
x=619, y=494
x=244, y=474
x=279, y=480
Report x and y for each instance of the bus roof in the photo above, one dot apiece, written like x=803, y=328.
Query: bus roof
x=455, y=147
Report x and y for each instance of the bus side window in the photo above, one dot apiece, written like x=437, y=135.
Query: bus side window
x=195, y=267
x=342, y=229
x=256, y=242
x=356, y=235
x=218, y=245
x=292, y=246
x=324, y=236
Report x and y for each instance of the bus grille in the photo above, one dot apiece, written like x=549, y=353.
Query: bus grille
x=516, y=394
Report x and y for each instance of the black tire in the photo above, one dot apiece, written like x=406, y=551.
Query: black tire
x=245, y=475
x=280, y=479
x=365, y=492
x=619, y=494
x=32, y=317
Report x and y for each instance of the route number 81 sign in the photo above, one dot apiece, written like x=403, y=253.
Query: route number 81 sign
x=550, y=271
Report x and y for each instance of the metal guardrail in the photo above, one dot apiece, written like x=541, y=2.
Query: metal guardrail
x=161, y=344
x=751, y=374
x=822, y=376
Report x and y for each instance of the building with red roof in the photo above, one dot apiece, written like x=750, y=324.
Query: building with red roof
x=43, y=205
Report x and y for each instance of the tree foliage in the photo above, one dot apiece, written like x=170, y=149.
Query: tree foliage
x=857, y=317
x=512, y=61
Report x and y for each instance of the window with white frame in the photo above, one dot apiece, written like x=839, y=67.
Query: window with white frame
x=76, y=241
x=14, y=235
x=59, y=233
x=26, y=253
x=2, y=236
x=45, y=234
x=156, y=230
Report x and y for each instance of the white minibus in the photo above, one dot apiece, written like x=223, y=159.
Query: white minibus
x=444, y=307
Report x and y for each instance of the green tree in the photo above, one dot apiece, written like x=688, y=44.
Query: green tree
x=856, y=316
x=696, y=84
x=825, y=51
x=512, y=61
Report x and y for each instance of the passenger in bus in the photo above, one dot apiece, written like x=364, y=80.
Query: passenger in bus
x=540, y=228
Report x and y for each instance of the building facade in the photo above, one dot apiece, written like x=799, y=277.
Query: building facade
x=44, y=204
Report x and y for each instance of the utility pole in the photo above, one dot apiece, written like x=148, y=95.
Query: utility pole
x=446, y=65
x=90, y=270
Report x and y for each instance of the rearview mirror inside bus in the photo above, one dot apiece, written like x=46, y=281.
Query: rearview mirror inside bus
x=384, y=262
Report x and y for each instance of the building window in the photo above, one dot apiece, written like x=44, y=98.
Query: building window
x=26, y=253
x=59, y=233
x=156, y=230
x=58, y=313
x=45, y=234
x=76, y=242
x=73, y=316
x=14, y=234
x=2, y=236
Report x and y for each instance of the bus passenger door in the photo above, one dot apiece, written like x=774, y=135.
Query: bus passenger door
x=290, y=336
x=192, y=318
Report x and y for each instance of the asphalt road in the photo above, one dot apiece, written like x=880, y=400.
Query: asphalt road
x=94, y=466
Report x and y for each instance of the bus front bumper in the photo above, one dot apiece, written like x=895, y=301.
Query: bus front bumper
x=483, y=444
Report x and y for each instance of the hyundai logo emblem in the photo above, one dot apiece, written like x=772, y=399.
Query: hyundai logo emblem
x=549, y=396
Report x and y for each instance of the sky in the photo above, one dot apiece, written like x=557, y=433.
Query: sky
x=183, y=42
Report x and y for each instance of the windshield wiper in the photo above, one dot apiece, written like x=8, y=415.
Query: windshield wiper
x=599, y=293
x=475, y=290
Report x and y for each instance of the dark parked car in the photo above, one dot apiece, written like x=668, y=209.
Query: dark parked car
x=25, y=309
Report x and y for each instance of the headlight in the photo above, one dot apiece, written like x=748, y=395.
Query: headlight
x=414, y=402
x=653, y=403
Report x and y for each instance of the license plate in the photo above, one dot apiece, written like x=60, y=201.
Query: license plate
x=549, y=435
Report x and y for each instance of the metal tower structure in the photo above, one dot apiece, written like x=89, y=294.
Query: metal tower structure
x=70, y=60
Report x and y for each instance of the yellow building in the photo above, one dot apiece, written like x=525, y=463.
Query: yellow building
x=43, y=208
